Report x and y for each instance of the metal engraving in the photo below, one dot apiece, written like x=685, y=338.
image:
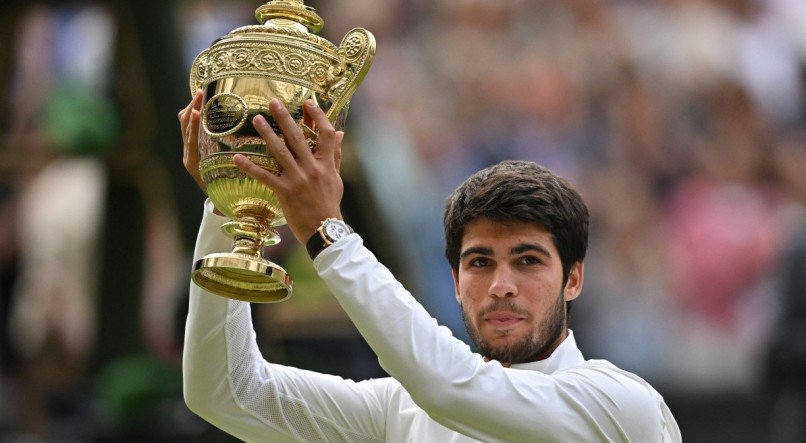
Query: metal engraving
x=240, y=74
x=223, y=114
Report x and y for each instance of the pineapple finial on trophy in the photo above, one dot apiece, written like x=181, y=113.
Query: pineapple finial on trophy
x=293, y=10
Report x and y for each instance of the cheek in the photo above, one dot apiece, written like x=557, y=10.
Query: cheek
x=468, y=298
x=471, y=289
x=541, y=294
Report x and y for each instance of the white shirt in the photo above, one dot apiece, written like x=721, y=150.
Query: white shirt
x=440, y=391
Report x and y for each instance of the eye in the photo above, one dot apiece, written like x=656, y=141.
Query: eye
x=529, y=260
x=479, y=262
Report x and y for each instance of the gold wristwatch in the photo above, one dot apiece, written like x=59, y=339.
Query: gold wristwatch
x=329, y=232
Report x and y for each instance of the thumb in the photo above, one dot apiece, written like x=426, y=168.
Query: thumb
x=337, y=149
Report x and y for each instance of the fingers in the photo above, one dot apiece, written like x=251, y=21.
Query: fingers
x=337, y=149
x=193, y=128
x=183, y=112
x=191, y=150
x=187, y=112
x=189, y=118
x=195, y=103
x=277, y=146
x=326, y=140
x=294, y=153
x=183, y=122
x=256, y=172
x=295, y=140
x=307, y=121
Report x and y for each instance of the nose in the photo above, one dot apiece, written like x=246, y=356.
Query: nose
x=503, y=284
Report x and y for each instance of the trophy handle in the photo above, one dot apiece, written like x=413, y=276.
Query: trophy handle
x=356, y=52
x=198, y=72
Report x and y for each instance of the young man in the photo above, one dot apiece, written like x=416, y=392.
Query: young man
x=516, y=239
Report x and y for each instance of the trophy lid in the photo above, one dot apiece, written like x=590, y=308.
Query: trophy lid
x=288, y=18
x=290, y=11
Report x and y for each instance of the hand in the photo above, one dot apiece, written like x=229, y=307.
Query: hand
x=309, y=187
x=189, y=124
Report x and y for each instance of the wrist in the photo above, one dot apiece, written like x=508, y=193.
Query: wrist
x=311, y=225
x=329, y=231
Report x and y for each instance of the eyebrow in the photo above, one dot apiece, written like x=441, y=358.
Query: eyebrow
x=520, y=249
x=524, y=247
x=480, y=250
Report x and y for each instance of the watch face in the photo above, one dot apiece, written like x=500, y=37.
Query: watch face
x=335, y=230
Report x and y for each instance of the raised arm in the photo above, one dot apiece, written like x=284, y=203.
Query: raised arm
x=229, y=384
x=227, y=381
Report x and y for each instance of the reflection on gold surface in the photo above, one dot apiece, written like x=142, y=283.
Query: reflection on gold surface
x=240, y=74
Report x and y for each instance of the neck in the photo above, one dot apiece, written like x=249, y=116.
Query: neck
x=551, y=347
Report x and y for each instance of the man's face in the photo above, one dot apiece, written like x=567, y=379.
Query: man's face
x=509, y=284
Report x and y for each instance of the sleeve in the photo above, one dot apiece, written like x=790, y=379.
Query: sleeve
x=228, y=383
x=461, y=391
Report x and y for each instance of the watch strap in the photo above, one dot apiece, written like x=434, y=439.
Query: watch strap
x=316, y=244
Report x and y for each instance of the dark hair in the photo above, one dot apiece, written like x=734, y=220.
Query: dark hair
x=519, y=191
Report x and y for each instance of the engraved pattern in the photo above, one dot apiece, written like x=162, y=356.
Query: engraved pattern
x=224, y=161
x=357, y=51
x=353, y=46
x=258, y=286
x=238, y=195
x=313, y=38
x=230, y=144
x=308, y=68
x=229, y=118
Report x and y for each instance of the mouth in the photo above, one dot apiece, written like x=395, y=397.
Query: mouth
x=502, y=319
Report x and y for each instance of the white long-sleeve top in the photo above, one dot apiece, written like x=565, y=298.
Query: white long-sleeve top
x=439, y=390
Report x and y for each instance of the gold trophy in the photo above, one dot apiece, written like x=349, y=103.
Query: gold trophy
x=240, y=73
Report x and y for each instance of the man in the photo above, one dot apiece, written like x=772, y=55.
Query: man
x=516, y=238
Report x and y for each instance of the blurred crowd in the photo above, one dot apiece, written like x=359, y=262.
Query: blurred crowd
x=682, y=123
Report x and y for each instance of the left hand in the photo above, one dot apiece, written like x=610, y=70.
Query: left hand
x=189, y=126
x=309, y=187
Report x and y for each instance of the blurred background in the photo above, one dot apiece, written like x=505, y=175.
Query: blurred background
x=682, y=122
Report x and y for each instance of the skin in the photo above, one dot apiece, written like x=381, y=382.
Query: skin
x=189, y=127
x=510, y=286
x=309, y=187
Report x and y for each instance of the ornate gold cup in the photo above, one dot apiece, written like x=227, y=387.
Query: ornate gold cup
x=240, y=73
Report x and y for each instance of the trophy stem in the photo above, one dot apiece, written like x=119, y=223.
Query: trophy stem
x=248, y=246
x=250, y=235
x=244, y=274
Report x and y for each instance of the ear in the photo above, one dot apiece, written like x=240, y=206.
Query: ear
x=576, y=276
x=455, y=274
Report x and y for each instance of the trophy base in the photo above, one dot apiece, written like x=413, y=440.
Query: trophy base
x=242, y=277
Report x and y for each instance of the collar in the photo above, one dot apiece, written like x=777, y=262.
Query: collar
x=567, y=355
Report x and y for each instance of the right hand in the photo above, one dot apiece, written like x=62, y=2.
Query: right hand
x=189, y=124
x=309, y=188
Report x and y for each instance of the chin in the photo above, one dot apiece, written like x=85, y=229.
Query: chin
x=501, y=340
x=508, y=334
x=495, y=334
